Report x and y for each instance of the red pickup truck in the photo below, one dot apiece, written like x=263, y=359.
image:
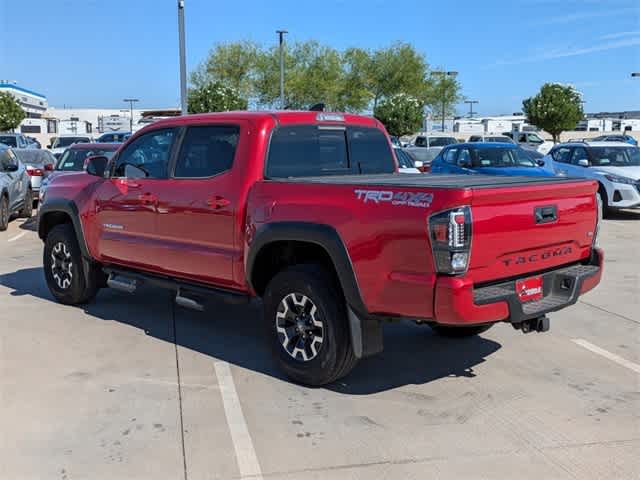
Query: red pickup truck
x=307, y=211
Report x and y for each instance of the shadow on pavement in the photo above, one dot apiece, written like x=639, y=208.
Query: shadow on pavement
x=624, y=215
x=30, y=224
x=237, y=334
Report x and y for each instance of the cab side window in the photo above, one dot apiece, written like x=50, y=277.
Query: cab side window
x=207, y=151
x=562, y=155
x=147, y=157
x=450, y=156
x=579, y=154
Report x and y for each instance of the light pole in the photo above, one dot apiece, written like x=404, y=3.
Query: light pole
x=281, y=34
x=131, y=102
x=444, y=74
x=471, y=102
x=183, y=61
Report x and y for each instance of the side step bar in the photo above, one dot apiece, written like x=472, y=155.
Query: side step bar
x=188, y=295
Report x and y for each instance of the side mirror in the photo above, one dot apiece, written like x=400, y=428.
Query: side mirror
x=583, y=162
x=540, y=163
x=418, y=163
x=49, y=146
x=96, y=165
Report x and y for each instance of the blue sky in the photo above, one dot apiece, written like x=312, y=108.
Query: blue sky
x=87, y=53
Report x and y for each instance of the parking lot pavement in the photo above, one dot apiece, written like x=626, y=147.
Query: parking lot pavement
x=135, y=387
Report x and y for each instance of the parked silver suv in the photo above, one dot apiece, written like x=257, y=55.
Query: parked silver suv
x=16, y=196
x=16, y=140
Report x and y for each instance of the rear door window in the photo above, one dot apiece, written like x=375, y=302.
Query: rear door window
x=207, y=151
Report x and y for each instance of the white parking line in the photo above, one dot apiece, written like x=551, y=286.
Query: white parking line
x=611, y=356
x=243, y=445
x=17, y=237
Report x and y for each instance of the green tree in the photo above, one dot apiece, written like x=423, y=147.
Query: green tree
x=443, y=94
x=401, y=114
x=214, y=97
x=555, y=108
x=11, y=113
x=397, y=69
x=313, y=73
x=232, y=64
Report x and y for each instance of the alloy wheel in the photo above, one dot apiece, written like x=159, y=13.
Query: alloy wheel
x=300, y=330
x=61, y=264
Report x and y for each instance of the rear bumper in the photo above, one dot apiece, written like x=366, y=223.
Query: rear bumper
x=457, y=302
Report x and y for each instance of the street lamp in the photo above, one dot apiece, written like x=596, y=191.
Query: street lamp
x=281, y=34
x=471, y=102
x=183, y=61
x=444, y=74
x=131, y=102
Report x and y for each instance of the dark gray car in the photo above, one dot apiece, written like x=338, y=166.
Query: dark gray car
x=16, y=196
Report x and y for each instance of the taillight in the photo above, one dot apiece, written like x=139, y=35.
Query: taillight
x=450, y=233
x=48, y=167
x=34, y=172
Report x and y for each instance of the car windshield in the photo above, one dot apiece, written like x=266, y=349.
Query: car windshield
x=62, y=142
x=500, y=157
x=8, y=140
x=404, y=159
x=441, y=141
x=72, y=160
x=498, y=139
x=615, y=156
x=533, y=138
x=30, y=157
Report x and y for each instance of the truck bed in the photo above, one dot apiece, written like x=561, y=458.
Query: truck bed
x=431, y=181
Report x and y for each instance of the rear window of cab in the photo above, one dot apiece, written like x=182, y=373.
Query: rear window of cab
x=313, y=150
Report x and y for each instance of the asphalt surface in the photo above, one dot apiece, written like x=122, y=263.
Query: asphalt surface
x=134, y=387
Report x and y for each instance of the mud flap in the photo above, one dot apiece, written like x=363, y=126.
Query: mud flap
x=366, y=335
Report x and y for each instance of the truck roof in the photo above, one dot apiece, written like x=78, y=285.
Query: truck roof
x=280, y=116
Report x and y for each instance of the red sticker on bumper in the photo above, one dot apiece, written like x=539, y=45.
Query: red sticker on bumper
x=529, y=289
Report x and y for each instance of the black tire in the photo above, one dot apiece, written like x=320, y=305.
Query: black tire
x=606, y=210
x=4, y=213
x=460, y=332
x=334, y=357
x=66, y=278
x=27, y=209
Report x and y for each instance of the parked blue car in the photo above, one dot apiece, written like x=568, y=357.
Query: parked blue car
x=489, y=159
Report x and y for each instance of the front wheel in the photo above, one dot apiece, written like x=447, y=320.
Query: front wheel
x=309, y=331
x=63, y=268
x=460, y=332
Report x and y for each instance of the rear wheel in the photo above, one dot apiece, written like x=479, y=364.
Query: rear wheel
x=308, y=325
x=27, y=209
x=4, y=213
x=459, y=332
x=63, y=268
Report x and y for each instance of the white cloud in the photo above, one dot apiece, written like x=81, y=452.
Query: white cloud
x=573, y=52
x=576, y=17
x=610, y=36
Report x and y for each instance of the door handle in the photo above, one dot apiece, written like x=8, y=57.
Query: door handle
x=148, y=199
x=218, y=202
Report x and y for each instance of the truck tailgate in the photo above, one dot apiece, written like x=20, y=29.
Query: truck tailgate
x=523, y=229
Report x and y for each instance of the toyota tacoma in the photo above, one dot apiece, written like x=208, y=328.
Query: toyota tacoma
x=306, y=210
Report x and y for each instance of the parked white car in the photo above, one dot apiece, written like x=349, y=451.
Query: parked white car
x=615, y=165
x=427, y=147
x=531, y=141
x=61, y=143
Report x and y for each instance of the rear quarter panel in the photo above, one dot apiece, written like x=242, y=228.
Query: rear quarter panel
x=388, y=244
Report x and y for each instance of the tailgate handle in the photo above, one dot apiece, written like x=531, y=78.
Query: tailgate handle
x=546, y=214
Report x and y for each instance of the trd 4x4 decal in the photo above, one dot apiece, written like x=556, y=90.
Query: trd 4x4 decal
x=408, y=199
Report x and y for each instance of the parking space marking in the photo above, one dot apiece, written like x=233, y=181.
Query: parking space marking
x=17, y=237
x=606, y=354
x=243, y=445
